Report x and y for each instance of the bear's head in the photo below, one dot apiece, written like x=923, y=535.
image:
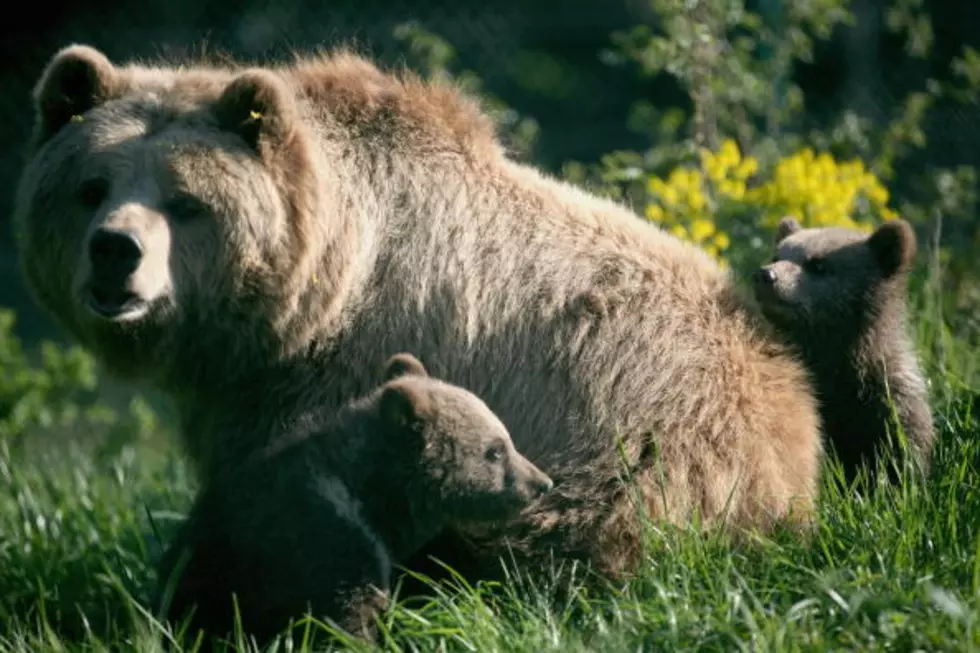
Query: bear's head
x=157, y=201
x=833, y=277
x=461, y=460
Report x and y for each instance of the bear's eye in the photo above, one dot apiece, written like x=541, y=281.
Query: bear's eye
x=92, y=192
x=495, y=453
x=185, y=207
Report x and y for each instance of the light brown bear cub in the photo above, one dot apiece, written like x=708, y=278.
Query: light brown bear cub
x=840, y=297
x=320, y=520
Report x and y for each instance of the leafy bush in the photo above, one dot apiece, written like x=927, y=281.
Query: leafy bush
x=60, y=395
x=744, y=112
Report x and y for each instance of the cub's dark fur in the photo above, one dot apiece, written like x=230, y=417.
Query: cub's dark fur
x=840, y=296
x=317, y=524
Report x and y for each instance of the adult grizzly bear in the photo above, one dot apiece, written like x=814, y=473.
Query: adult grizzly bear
x=255, y=241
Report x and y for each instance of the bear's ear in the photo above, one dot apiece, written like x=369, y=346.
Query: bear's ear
x=403, y=404
x=786, y=227
x=259, y=107
x=77, y=78
x=403, y=364
x=893, y=245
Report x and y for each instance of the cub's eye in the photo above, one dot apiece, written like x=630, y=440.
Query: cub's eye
x=185, y=207
x=92, y=192
x=495, y=453
x=816, y=266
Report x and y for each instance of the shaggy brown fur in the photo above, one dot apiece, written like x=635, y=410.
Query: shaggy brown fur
x=315, y=217
x=840, y=296
x=318, y=522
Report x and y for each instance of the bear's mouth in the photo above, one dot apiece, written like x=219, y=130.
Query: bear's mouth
x=769, y=299
x=116, y=304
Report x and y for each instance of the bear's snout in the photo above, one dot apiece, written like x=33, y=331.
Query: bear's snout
x=535, y=482
x=764, y=276
x=542, y=485
x=114, y=255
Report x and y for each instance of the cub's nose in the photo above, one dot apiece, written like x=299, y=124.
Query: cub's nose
x=544, y=486
x=115, y=254
x=763, y=276
x=541, y=484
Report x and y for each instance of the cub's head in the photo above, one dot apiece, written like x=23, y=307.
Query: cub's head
x=832, y=277
x=461, y=459
x=163, y=209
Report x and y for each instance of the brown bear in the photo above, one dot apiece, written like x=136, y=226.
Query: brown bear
x=319, y=519
x=840, y=296
x=250, y=239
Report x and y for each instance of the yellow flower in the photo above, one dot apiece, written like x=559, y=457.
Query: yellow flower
x=706, y=156
x=669, y=195
x=729, y=153
x=825, y=164
x=701, y=229
x=654, y=212
x=746, y=168
x=878, y=194
x=808, y=184
x=696, y=200
x=716, y=170
x=797, y=169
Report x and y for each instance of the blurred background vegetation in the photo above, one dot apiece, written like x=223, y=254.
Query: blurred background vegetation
x=711, y=117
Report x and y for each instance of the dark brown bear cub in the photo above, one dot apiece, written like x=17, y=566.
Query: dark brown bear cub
x=840, y=297
x=317, y=522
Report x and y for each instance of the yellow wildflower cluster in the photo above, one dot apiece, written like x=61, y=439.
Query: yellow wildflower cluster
x=815, y=188
x=822, y=193
x=685, y=203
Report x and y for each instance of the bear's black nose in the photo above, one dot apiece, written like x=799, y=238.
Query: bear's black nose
x=763, y=276
x=115, y=254
x=543, y=485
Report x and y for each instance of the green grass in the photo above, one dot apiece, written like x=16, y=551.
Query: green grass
x=894, y=568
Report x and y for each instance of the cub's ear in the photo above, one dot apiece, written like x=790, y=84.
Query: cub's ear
x=77, y=78
x=894, y=246
x=259, y=107
x=403, y=364
x=403, y=404
x=786, y=227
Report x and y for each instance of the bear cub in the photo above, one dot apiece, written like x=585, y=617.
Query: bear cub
x=840, y=297
x=318, y=522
